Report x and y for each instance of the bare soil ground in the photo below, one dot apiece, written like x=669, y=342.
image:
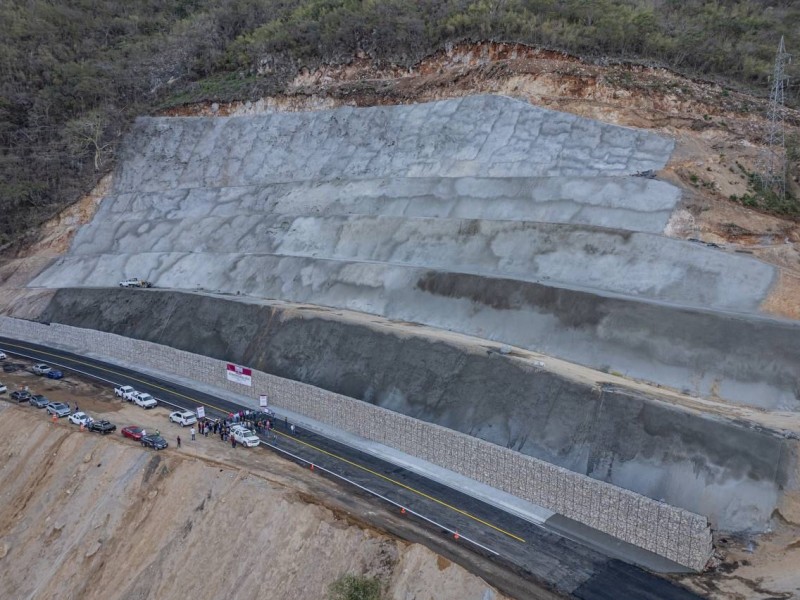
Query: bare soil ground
x=205, y=518
x=203, y=521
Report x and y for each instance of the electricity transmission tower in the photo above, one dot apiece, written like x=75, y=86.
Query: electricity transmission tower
x=773, y=164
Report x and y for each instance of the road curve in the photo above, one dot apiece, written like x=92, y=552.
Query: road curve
x=548, y=562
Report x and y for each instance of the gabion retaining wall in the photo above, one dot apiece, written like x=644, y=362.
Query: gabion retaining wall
x=677, y=534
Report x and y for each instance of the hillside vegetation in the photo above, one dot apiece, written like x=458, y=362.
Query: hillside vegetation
x=73, y=73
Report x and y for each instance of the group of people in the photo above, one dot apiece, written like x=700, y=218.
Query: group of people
x=263, y=423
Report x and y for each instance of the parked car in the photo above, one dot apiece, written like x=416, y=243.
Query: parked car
x=39, y=401
x=125, y=392
x=58, y=409
x=103, y=427
x=55, y=374
x=133, y=432
x=21, y=396
x=79, y=418
x=183, y=417
x=3, y=389
x=40, y=369
x=154, y=441
x=144, y=400
x=10, y=367
x=244, y=436
x=3, y=355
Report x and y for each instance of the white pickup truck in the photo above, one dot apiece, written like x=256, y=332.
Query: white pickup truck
x=125, y=392
x=244, y=436
x=144, y=400
x=135, y=282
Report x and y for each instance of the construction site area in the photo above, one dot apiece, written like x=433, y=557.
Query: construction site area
x=502, y=265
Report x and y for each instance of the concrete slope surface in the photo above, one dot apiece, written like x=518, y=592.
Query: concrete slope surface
x=476, y=136
x=734, y=473
x=610, y=260
x=632, y=203
x=372, y=210
x=697, y=351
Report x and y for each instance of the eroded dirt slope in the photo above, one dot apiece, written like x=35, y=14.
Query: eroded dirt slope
x=199, y=522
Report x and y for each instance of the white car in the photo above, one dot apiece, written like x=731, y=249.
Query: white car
x=40, y=369
x=80, y=418
x=144, y=400
x=3, y=389
x=244, y=436
x=183, y=417
x=3, y=355
x=125, y=392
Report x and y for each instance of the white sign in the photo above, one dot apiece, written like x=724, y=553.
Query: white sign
x=262, y=401
x=239, y=374
x=201, y=412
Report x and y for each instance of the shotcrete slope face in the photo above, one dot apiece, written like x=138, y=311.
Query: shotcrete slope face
x=631, y=203
x=479, y=136
x=610, y=260
x=729, y=471
x=403, y=211
x=485, y=216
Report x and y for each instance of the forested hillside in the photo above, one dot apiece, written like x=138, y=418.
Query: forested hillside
x=73, y=73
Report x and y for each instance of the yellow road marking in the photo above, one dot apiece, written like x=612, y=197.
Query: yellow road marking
x=402, y=485
x=293, y=438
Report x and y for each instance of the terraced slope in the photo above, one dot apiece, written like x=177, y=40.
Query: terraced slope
x=417, y=213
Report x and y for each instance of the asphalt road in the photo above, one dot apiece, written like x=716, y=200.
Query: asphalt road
x=541, y=557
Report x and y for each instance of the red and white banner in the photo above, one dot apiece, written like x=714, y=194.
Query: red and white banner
x=239, y=374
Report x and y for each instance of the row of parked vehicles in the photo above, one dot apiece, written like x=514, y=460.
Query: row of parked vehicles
x=40, y=369
x=184, y=418
x=61, y=409
x=142, y=399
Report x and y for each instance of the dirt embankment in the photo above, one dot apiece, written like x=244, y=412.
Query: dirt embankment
x=204, y=521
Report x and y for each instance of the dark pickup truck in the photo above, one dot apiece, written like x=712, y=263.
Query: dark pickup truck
x=103, y=427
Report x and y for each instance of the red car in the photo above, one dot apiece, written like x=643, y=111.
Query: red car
x=133, y=432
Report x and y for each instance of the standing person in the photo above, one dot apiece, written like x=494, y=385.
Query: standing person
x=192, y=432
x=144, y=432
x=179, y=441
x=205, y=430
x=233, y=442
x=200, y=427
x=286, y=422
x=291, y=427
